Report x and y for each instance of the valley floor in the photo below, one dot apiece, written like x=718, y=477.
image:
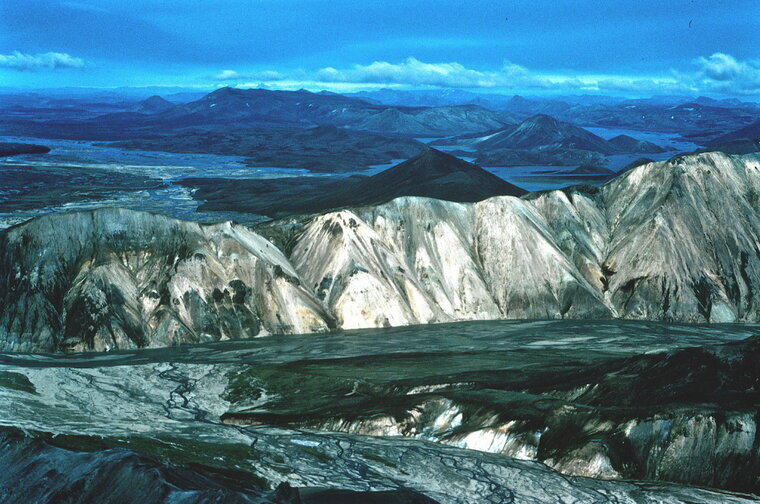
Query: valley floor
x=120, y=414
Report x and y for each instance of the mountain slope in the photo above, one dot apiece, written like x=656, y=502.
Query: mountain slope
x=750, y=132
x=539, y=132
x=674, y=240
x=625, y=143
x=123, y=279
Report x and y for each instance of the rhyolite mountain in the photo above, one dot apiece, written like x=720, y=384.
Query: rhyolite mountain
x=673, y=240
x=431, y=173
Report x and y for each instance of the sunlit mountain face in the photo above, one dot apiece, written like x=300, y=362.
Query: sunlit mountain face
x=297, y=252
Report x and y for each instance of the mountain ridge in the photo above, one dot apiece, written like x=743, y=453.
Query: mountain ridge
x=672, y=241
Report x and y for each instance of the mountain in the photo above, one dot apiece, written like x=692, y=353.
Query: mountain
x=542, y=131
x=537, y=132
x=625, y=143
x=431, y=174
x=750, y=132
x=674, y=240
x=153, y=105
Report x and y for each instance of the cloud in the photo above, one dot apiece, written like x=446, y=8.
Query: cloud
x=719, y=73
x=414, y=72
x=44, y=61
x=225, y=75
x=232, y=75
x=724, y=73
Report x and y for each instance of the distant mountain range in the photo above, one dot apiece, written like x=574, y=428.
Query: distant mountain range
x=541, y=139
x=441, y=97
x=542, y=132
x=228, y=108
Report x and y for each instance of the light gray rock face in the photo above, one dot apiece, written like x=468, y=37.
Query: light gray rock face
x=685, y=239
x=122, y=279
x=677, y=240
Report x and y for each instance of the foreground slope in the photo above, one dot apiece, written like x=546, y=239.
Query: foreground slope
x=123, y=279
x=158, y=421
x=687, y=415
x=677, y=240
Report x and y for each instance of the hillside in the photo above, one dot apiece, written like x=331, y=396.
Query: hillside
x=673, y=240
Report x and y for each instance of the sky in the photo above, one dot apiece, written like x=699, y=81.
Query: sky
x=616, y=47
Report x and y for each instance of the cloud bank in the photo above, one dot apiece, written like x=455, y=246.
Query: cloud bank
x=724, y=73
x=718, y=73
x=43, y=61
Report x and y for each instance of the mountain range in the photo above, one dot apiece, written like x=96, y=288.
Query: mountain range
x=544, y=140
x=542, y=132
x=228, y=108
x=673, y=240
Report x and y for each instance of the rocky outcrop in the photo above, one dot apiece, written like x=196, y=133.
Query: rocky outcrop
x=677, y=240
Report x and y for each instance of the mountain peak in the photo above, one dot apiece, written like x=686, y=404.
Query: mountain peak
x=433, y=160
x=153, y=104
x=433, y=173
x=543, y=120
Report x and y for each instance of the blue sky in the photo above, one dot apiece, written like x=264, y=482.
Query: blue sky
x=626, y=47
